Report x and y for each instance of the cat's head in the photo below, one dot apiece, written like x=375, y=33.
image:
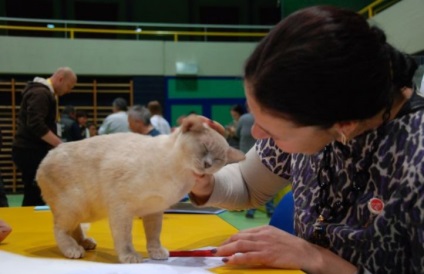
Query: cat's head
x=209, y=149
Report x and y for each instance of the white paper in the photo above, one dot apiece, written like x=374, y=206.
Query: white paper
x=17, y=264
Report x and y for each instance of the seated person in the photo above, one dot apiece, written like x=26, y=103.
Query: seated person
x=139, y=121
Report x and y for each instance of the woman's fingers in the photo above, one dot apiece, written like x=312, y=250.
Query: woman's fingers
x=250, y=233
x=264, y=245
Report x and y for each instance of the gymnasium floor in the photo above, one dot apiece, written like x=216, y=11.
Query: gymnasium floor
x=236, y=218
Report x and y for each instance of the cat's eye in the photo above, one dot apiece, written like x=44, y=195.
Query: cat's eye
x=206, y=151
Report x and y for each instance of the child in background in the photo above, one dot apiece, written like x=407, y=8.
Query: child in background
x=92, y=130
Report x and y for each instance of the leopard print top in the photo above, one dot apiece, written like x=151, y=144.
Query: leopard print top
x=389, y=242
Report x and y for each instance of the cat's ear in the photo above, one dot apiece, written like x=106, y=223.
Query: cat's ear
x=234, y=155
x=193, y=123
x=205, y=122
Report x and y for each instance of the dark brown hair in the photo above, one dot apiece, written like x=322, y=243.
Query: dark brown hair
x=155, y=108
x=323, y=65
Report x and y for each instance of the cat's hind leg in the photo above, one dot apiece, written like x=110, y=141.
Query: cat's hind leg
x=85, y=242
x=153, y=227
x=121, y=226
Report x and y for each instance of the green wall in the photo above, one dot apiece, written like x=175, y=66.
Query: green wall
x=122, y=57
x=212, y=97
x=290, y=6
x=222, y=114
x=217, y=111
x=183, y=110
x=205, y=88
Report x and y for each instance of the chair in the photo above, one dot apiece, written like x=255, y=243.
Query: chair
x=283, y=217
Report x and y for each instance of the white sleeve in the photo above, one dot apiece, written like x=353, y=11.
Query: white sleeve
x=104, y=127
x=245, y=185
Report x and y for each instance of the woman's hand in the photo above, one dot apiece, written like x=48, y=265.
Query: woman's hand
x=5, y=230
x=272, y=247
x=268, y=246
x=202, y=188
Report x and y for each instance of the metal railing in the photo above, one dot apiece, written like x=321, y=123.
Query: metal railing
x=71, y=29
x=376, y=7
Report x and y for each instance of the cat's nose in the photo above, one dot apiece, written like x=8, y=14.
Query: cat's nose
x=207, y=164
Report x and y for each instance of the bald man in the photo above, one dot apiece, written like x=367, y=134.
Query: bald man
x=37, y=127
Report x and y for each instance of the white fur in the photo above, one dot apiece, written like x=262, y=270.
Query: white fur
x=126, y=175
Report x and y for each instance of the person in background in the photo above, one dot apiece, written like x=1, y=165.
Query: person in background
x=118, y=120
x=3, y=198
x=236, y=112
x=69, y=125
x=244, y=132
x=337, y=115
x=92, y=129
x=82, y=117
x=139, y=121
x=37, y=127
x=157, y=120
x=179, y=122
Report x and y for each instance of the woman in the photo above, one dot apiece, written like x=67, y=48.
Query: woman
x=336, y=115
x=236, y=112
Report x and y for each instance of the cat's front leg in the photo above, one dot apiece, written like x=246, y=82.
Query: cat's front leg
x=121, y=227
x=66, y=243
x=153, y=227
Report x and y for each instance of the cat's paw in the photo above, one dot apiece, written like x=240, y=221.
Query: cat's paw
x=88, y=244
x=130, y=258
x=160, y=253
x=74, y=252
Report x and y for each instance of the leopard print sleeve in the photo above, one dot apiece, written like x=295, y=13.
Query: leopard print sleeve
x=274, y=158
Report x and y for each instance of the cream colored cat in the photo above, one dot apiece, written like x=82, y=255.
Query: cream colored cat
x=126, y=175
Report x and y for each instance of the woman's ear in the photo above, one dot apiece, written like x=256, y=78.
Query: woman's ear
x=345, y=130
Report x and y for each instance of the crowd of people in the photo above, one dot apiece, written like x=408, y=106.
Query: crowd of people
x=40, y=128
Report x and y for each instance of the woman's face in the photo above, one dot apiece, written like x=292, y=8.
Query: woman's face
x=288, y=136
x=235, y=115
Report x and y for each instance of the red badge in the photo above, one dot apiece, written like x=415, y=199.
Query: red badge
x=375, y=206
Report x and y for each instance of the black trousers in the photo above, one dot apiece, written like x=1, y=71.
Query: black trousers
x=3, y=197
x=27, y=160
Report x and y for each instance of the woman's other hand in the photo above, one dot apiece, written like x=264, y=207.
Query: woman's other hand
x=202, y=188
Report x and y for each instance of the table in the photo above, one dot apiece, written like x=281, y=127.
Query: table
x=32, y=236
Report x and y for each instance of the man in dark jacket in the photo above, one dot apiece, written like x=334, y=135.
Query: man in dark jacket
x=3, y=197
x=37, y=131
